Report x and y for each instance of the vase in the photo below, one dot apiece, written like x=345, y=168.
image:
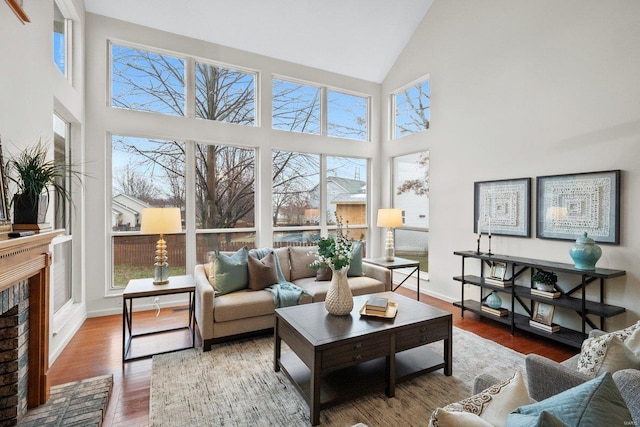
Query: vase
x=585, y=253
x=30, y=209
x=339, y=300
x=494, y=300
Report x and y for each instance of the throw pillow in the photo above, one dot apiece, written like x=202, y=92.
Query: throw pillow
x=323, y=274
x=605, y=353
x=443, y=418
x=544, y=419
x=262, y=272
x=596, y=402
x=633, y=342
x=355, y=267
x=301, y=257
x=230, y=272
x=493, y=404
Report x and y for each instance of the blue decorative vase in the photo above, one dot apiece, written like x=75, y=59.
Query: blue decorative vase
x=585, y=253
x=494, y=300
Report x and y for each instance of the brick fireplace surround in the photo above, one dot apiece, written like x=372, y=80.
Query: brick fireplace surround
x=24, y=325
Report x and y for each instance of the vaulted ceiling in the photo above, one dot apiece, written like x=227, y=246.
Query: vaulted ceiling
x=358, y=38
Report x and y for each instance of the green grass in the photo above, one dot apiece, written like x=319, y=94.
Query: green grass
x=423, y=260
x=123, y=273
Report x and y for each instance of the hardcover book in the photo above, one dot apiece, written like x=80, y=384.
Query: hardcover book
x=377, y=304
x=555, y=294
x=542, y=326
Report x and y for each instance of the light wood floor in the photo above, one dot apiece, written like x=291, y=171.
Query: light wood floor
x=97, y=350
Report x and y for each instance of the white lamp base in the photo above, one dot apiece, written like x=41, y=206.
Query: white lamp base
x=389, y=251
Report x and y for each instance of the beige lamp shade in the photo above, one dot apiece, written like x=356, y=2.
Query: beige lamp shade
x=391, y=218
x=160, y=221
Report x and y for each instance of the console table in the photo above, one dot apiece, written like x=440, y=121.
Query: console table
x=574, y=298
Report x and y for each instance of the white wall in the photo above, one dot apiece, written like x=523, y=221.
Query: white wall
x=31, y=88
x=526, y=89
x=102, y=120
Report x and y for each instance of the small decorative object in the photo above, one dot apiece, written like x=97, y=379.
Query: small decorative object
x=33, y=173
x=161, y=221
x=390, y=218
x=585, y=253
x=568, y=205
x=544, y=280
x=503, y=207
x=543, y=313
x=494, y=300
x=335, y=253
x=498, y=270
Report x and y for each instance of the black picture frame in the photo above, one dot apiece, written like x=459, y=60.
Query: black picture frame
x=5, y=221
x=570, y=205
x=503, y=207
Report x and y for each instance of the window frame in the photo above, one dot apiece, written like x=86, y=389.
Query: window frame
x=68, y=40
x=393, y=106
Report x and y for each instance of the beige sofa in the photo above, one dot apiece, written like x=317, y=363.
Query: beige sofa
x=248, y=312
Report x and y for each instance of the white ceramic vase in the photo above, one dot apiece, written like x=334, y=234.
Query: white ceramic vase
x=339, y=300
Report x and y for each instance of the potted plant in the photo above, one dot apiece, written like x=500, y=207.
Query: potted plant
x=544, y=280
x=33, y=173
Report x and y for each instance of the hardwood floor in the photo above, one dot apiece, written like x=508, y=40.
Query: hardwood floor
x=97, y=350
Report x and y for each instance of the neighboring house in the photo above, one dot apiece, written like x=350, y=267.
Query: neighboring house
x=346, y=197
x=126, y=212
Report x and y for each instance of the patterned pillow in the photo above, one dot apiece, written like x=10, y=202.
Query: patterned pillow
x=609, y=352
x=492, y=405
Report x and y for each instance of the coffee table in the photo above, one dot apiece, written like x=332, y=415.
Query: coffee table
x=334, y=358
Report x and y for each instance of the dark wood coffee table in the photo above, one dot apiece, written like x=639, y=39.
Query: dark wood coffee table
x=334, y=358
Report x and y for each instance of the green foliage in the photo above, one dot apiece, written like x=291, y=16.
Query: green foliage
x=546, y=277
x=335, y=252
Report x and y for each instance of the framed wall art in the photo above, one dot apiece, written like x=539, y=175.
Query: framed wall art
x=570, y=205
x=543, y=313
x=503, y=207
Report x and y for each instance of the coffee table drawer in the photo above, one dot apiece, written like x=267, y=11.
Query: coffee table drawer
x=355, y=352
x=423, y=333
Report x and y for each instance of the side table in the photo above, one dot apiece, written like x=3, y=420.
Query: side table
x=143, y=288
x=395, y=264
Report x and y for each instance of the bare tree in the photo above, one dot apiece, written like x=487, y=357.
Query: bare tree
x=419, y=186
x=414, y=103
x=128, y=181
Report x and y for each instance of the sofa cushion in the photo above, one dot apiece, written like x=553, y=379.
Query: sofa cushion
x=323, y=274
x=262, y=272
x=301, y=257
x=355, y=266
x=596, y=402
x=230, y=272
x=606, y=353
x=358, y=285
x=243, y=304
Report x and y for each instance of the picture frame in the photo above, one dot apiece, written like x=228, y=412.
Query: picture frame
x=572, y=204
x=503, y=207
x=16, y=6
x=543, y=313
x=498, y=270
x=5, y=220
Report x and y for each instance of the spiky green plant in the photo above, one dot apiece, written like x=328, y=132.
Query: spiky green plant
x=33, y=172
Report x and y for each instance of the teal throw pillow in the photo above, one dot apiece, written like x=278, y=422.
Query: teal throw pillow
x=597, y=402
x=355, y=268
x=230, y=272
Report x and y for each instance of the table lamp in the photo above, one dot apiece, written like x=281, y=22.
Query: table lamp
x=161, y=221
x=390, y=218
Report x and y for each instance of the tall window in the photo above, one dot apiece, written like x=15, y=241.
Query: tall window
x=347, y=116
x=225, y=95
x=145, y=173
x=308, y=200
x=61, y=27
x=225, y=198
x=63, y=246
x=147, y=81
x=296, y=107
x=411, y=194
x=412, y=109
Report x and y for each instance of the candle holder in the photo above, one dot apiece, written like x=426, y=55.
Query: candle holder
x=478, y=250
x=489, y=253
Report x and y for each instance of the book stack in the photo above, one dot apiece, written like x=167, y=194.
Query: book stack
x=377, y=305
x=500, y=312
x=546, y=294
x=542, y=326
x=498, y=282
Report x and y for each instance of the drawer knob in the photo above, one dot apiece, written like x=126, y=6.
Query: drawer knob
x=423, y=329
x=357, y=357
x=357, y=345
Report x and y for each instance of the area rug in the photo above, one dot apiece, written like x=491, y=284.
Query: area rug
x=235, y=385
x=80, y=403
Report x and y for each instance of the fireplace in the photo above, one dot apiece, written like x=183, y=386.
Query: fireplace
x=24, y=324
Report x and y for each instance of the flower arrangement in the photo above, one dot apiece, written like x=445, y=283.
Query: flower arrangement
x=334, y=252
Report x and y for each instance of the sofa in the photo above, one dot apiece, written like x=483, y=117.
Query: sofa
x=550, y=391
x=248, y=312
